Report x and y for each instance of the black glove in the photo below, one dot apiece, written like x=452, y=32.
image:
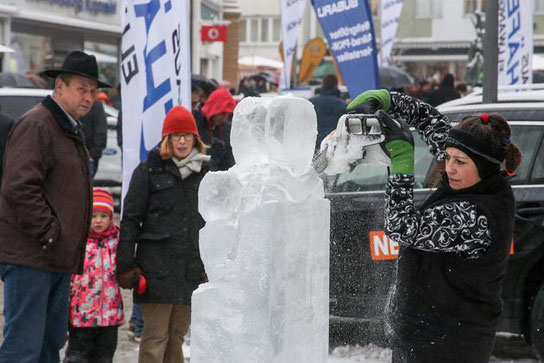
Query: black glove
x=399, y=144
x=394, y=130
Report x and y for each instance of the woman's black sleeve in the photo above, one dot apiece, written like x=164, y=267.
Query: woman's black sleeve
x=134, y=211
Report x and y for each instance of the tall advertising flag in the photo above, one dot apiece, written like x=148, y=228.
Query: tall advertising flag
x=515, y=42
x=292, y=13
x=155, y=73
x=390, y=13
x=349, y=30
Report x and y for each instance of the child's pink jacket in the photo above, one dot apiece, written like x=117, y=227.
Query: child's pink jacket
x=95, y=298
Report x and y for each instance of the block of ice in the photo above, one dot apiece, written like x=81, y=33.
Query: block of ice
x=247, y=133
x=272, y=306
x=290, y=133
x=265, y=244
x=217, y=248
x=219, y=196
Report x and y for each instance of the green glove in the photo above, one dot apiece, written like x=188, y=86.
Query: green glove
x=370, y=101
x=399, y=143
x=402, y=157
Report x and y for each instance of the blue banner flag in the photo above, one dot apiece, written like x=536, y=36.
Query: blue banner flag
x=348, y=26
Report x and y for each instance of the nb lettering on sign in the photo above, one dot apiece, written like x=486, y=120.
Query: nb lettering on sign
x=382, y=247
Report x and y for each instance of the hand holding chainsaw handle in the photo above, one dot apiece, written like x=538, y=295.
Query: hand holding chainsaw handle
x=370, y=101
x=399, y=143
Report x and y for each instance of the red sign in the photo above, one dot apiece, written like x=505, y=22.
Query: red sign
x=213, y=33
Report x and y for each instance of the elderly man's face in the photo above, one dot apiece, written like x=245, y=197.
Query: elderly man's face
x=77, y=97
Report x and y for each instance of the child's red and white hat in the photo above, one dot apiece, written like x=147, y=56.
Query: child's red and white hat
x=102, y=201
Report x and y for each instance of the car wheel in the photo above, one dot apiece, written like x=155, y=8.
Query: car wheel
x=537, y=324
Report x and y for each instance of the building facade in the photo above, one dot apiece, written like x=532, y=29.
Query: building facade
x=207, y=57
x=43, y=32
x=433, y=37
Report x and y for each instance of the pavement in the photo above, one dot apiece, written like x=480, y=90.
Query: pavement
x=508, y=348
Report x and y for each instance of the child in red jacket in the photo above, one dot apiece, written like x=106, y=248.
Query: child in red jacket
x=96, y=306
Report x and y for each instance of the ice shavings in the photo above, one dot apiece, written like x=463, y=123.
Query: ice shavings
x=344, y=150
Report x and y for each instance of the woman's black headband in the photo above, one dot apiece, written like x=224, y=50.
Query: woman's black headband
x=473, y=144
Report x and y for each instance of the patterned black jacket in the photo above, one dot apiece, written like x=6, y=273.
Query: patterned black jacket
x=452, y=256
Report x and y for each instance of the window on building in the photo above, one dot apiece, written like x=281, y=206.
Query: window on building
x=539, y=6
x=472, y=6
x=254, y=31
x=428, y=8
x=276, y=29
x=243, y=30
x=374, y=6
x=265, y=31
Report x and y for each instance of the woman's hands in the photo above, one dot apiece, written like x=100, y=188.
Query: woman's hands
x=399, y=143
x=370, y=101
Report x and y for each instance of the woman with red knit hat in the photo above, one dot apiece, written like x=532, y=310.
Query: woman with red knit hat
x=158, y=254
x=218, y=110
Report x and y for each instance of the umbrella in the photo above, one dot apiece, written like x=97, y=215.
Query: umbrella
x=323, y=69
x=17, y=80
x=393, y=77
x=207, y=85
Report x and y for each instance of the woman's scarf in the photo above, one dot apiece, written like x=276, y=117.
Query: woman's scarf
x=190, y=164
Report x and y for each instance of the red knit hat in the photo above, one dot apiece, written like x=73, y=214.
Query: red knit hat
x=102, y=201
x=179, y=120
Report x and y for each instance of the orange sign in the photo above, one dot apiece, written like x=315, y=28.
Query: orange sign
x=314, y=52
x=382, y=247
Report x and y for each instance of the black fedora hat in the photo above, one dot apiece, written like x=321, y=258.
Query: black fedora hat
x=81, y=64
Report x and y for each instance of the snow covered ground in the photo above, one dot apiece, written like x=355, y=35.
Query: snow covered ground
x=127, y=350
x=511, y=346
x=128, y=353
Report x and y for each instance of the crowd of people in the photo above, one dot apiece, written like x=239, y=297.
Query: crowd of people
x=63, y=259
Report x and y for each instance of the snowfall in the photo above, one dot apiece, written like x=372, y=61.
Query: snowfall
x=268, y=295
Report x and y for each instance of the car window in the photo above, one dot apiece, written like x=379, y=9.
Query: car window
x=537, y=176
x=366, y=177
x=528, y=139
x=16, y=106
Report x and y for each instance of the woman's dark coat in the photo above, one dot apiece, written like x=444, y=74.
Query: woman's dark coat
x=453, y=252
x=159, y=230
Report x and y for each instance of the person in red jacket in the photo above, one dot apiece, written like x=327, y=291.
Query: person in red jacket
x=96, y=306
x=218, y=110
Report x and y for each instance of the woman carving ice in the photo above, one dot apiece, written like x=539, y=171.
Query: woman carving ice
x=454, y=248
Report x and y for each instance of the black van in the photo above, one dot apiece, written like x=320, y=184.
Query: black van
x=362, y=258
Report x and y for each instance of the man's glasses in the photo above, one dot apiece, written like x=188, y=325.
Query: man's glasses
x=186, y=137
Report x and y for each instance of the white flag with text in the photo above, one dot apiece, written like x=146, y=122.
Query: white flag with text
x=292, y=13
x=390, y=13
x=515, y=42
x=155, y=73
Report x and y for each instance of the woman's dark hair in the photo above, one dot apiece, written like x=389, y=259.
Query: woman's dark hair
x=498, y=133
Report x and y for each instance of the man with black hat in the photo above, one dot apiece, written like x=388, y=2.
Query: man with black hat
x=45, y=211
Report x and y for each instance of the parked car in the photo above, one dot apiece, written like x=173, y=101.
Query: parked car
x=16, y=101
x=362, y=257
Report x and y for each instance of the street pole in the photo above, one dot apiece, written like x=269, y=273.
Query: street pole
x=491, y=52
